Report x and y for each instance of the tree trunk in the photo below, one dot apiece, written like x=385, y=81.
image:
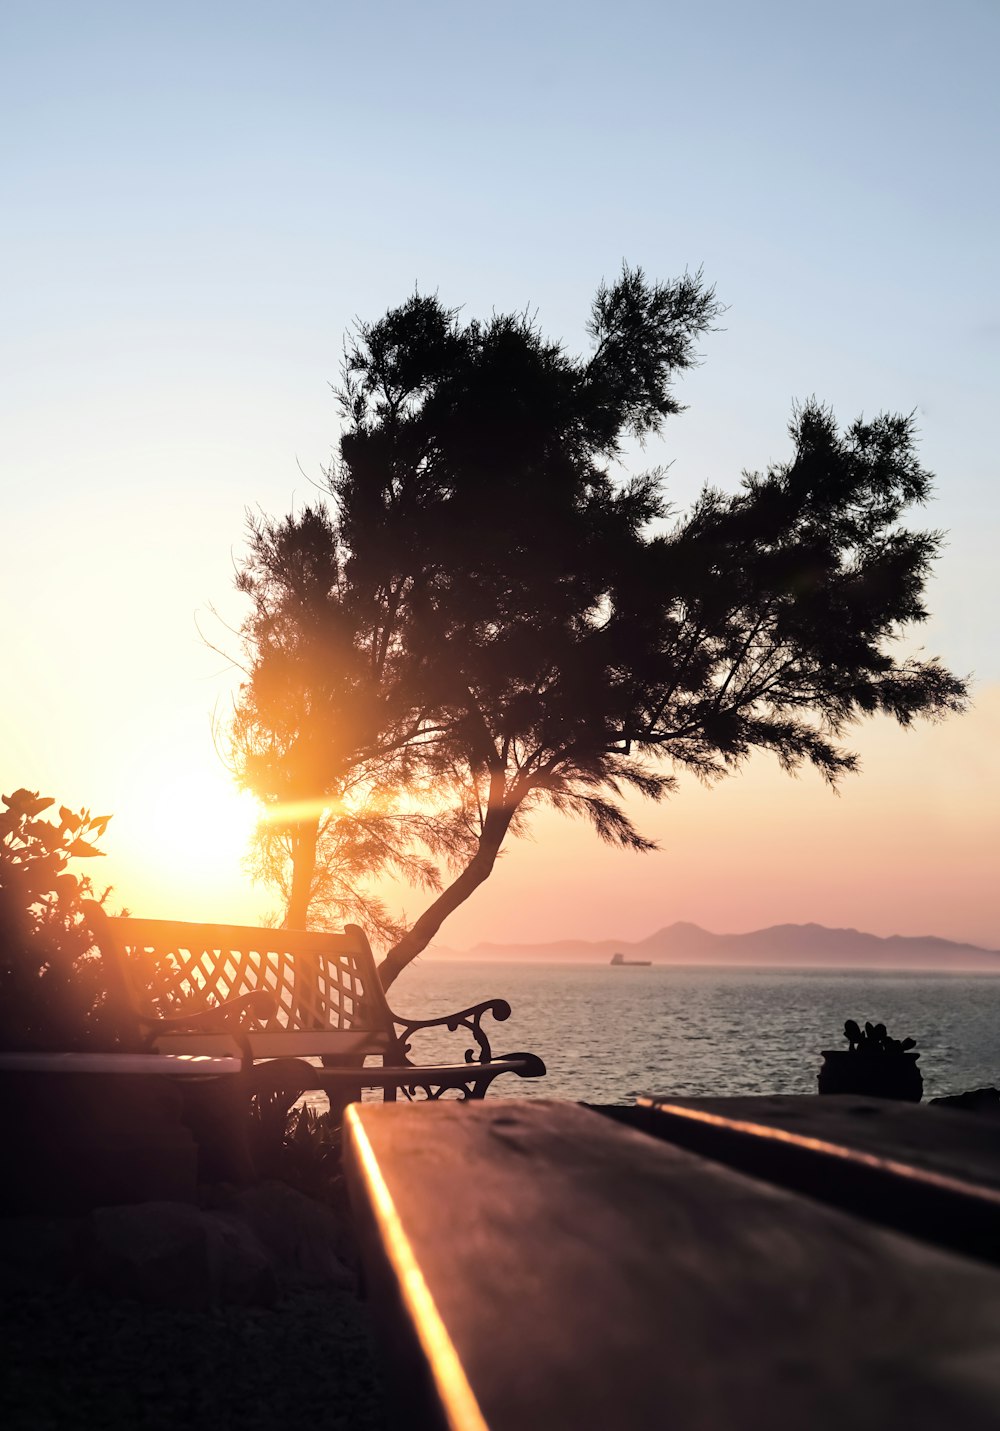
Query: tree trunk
x=478, y=870
x=303, y=869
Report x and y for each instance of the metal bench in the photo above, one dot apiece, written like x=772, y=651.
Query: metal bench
x=306, y=1009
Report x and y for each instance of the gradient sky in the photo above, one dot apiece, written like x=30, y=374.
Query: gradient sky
x=198, y=202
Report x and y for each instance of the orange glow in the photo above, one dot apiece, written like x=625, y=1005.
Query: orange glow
x=290, y=811
x=909, y=847
x=370, y=802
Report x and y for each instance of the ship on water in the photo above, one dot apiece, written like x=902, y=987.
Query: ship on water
x=619, y=959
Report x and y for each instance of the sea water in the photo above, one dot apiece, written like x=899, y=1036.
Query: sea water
x=607, y=1034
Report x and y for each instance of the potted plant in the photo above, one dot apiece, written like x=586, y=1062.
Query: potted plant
x=873, y=1064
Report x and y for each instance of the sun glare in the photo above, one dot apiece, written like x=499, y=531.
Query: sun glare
x=196, y=830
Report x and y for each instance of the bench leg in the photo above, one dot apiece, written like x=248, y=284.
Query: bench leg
x=218, y=1113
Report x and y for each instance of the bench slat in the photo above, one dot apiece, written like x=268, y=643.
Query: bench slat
x=280, y=1044
x=429, y=1076
x=157, y=1065
x=319, y=981
x=535, y=1265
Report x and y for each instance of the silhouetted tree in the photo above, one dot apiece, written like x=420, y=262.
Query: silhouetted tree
x=491, y=619
x=314, y=737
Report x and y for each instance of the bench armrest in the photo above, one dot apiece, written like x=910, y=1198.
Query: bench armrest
x=228, y=1018
x=470, y=1019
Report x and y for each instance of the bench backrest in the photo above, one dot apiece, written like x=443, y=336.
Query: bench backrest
x=326, y=991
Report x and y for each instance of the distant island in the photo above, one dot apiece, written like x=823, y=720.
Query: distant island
x=788, y=945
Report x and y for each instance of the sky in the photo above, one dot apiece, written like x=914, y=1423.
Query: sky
x=199, y=202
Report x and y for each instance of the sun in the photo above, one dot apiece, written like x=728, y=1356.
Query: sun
x=179, y=846
x=197, y=821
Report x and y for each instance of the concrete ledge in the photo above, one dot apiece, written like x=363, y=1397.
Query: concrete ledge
x=81, y=1130
x=155, y=1065
x=533, y=1266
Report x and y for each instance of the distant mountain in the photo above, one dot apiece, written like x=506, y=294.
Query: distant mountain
x=802, y=945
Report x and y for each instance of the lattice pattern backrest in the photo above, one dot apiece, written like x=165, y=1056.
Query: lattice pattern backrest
x=318, y=980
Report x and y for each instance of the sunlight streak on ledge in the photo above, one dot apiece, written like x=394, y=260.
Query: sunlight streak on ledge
x=857, y=1156
x=457, y=1397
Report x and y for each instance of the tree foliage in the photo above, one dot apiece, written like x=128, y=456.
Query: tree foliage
x=490, y=617
x=53, y=993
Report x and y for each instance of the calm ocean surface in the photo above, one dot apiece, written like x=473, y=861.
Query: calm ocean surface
x=607, y=1034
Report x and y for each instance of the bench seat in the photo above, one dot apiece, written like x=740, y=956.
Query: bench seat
x=153, y=1065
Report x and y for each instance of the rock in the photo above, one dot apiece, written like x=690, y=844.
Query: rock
x=246, y=1275
x=38, y=1251
x=976, y=1100
x=260, y=1241
x=168, y=1254
x=307, y=1242
x=250, y=1246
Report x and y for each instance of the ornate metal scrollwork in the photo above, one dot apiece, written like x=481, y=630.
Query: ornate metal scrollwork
x=431, y=1091
x=470, y=1019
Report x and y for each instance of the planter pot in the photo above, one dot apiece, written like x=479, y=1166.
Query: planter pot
x=872, y=1075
